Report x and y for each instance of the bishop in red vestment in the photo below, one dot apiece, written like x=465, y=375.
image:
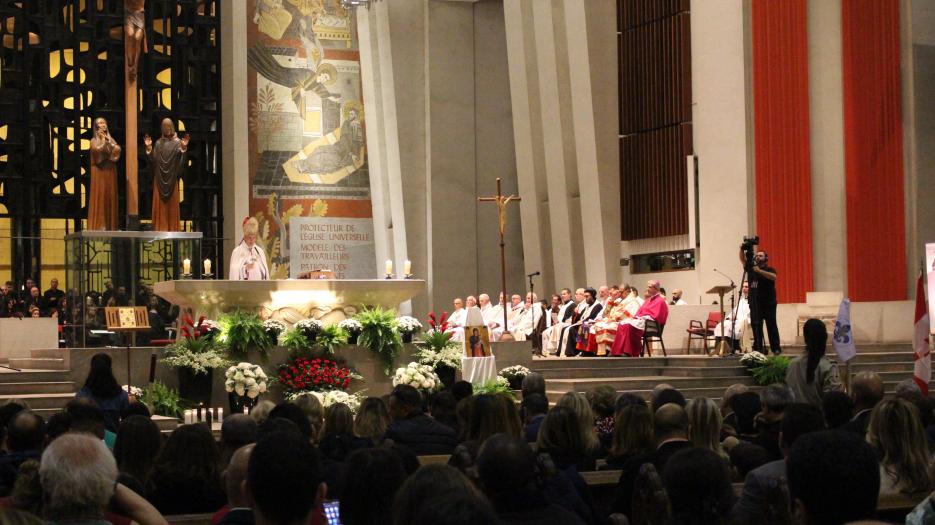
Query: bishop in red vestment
x=630, y=332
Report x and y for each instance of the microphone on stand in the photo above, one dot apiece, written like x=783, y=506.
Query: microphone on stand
x=533, y=274
x=725, y=275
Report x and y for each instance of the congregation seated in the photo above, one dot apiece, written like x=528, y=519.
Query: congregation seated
x=372, y=420
x=413, y=429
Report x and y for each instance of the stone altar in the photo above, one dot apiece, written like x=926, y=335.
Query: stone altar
x=289, y=300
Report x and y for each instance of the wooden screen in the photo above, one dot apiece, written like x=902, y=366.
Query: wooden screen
x=654, y=44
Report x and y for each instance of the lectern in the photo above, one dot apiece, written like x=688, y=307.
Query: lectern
x=128, y=319
x=720, y=291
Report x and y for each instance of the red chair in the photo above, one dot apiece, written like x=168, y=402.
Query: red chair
x=698, y=331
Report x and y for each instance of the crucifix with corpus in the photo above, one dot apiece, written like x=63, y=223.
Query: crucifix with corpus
x=502, y=200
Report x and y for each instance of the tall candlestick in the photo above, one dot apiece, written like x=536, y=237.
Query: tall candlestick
x=407, y=267
x=207, y=265
x=187, y=266
x=389, y=267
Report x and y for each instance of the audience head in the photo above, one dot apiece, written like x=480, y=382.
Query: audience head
x=745, y=457
x=837, y=407
x=704, y=423
x=237, y=430
x=908, y=389
x=899, y=439
x=284, y=479
x=25, y=432
x=138, y=442
x=367, y=497
x=633, y=431
x=101, y=381
x=372, y=419
x=235, y=475
x=276, y=424
x=866, y=390
x=339, y=420
x=729, y=394
x=136, y=409
x=78, y=476
x=405, y=400
x=58, y=424
x=628, y=399
x=462, y=389
x=816, y=339
x=533, y=383
x=745, y=407
x=775, y=398
x=697, y=481
x=85, y=416
x=799, y=419
x=506, y=466
x=442, y=407
x=493, y=414
x=313, y=410
x=463, y=411
x=261, y=410
x=190, y=448
x=834, y=478
x=435, y=486
x=669, y=395
x=578, y=403
x=603, y=400
x=561, y=434
x=534, y=405
x=293, y=413
x=670, y=422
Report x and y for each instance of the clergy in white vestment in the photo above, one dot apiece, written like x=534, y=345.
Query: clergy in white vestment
x=552, y=335
x=248, y=260
x=493, y=316
x=456, y=321
x=525, y=322
x=737, y=321
x=516, y=308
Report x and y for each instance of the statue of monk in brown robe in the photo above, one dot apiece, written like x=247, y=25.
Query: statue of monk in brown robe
x=168, y=159
x=102, y=203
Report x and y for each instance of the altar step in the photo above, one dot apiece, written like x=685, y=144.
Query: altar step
x=38, y=363
x=46, y=402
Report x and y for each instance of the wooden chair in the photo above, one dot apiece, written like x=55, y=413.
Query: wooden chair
x=703, y=332
x=651, y=333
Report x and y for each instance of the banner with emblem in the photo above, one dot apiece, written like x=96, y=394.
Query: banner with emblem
x=843, y=341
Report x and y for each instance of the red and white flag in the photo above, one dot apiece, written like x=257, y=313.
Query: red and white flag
x=922, y=372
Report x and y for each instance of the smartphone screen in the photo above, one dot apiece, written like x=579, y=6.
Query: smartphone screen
x=332, y=512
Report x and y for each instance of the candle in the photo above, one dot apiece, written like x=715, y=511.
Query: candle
x=188, y=417
x=246, y=410
x=407, y=267
x=389, y=267
x=220, y=414
x=207, y=266
x=210, y=415
x=187, y=266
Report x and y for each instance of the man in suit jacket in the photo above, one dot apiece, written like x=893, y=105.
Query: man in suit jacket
x=413, y=429
x=798, y=419
x=866, y=391
x=670, y=427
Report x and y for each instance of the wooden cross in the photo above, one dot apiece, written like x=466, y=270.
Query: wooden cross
x=502, y=201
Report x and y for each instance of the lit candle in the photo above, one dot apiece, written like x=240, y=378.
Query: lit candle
x=220, y=414
x=407, y=267
x=187, y=266
x=188, y=417
x=207, y=266
x=389, y=267
x=246, y=410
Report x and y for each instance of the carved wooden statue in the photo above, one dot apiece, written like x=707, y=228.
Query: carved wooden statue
x=102, y=202
x=168, y=158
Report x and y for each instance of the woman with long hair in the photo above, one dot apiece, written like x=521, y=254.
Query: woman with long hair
x=563, y=438
x=812, y=375
x=102, y=387
x=372, y=419
x=704, y=425
x=338, y=439
x=633, y=435
x=185, y=477
x=578, y=403
x=138, y=443
x=491, y=414
x=897, y=435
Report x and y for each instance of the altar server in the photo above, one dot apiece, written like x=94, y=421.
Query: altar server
x=248, y=260
x=736, y=322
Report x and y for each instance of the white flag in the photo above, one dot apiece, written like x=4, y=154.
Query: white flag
x=843, y=333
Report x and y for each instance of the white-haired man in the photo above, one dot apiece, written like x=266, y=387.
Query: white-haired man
x=628, y=340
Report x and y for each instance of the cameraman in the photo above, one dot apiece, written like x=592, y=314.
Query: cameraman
x=762, y=279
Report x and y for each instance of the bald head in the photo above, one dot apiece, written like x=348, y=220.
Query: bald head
x=235, y=475
x=866, y=390
x=670, y=422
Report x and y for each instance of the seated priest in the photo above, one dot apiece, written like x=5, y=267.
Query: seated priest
x=552, y=334
x=248, y=260
x=516, y=308
x=493, y=315
x=576, y=338
x=524, y=323
x=456, y=321
x=601, y=333
x=628, y=340
x=736, y=322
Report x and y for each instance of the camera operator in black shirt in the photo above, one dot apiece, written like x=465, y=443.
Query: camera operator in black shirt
x=762, y=279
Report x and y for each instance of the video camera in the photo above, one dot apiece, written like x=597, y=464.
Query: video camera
x=749, y=242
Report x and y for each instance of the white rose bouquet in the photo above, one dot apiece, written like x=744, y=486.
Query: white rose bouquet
x=753, y=359
x=511, y=372
x=246, y=379
x=408, y=325
x=273, y=328
x=419, y=376
x=331, y=397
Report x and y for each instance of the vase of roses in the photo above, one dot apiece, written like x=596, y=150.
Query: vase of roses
x=319, y=374
x=244, y=382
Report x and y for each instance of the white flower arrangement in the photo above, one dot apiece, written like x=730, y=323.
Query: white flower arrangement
x=419, y=376
x=134, y=391
x=449, y=356
x=310, y=326
x=351, y=326
x=408, y=324
x=274, y=325
x=246, y=379
x=752, y=359
x=199, y=362
x=502, y=382
x=513, y=371
x=331, y=397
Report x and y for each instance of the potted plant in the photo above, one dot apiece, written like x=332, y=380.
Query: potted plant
x=408, y=327
x=497, y=385
x=421, y=377
x=273, y=329
x=241, y=332
x=162, y=400
x=310, y=328
x=195, y=355
x=379, y=333
x=244, y=383
x=514, y=375
x=331, y=337
x=445, y=362
x=352, y=328
x=772, y=370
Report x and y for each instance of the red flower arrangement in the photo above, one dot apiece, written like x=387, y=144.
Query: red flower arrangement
x=197, y=337
x=440, y=325
x=303, y=374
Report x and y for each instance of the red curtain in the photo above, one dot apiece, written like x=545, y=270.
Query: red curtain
x=781, y=138
x=873, y=150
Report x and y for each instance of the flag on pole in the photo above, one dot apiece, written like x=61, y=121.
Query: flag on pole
x=843, y=341
x=922, y=372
